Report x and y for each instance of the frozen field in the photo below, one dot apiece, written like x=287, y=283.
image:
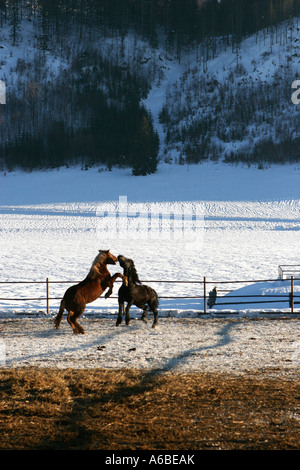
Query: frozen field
x=228, y=345
x=233, y=242
x=244, y=233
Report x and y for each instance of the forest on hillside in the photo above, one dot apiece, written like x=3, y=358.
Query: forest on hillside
x=75, y=89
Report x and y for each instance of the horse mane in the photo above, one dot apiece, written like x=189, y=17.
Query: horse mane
x=97, y=263
x=133, y=274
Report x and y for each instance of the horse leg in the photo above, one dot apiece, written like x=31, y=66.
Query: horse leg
x=144, y=315
x=112, y=281
x=127, y=319
x=70, y=318
x=121, y=312
x=155, y=312
x=153, y=304
x=78, y=327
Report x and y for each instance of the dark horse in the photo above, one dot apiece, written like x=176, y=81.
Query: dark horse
x=135, y=293
x=88, y=290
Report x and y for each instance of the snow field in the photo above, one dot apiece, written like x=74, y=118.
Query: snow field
x=237, y=237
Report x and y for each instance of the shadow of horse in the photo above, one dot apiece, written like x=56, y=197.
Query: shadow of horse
x=135, y=293
x=76, y=297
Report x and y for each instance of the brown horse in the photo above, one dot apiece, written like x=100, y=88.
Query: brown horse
x=88, y=290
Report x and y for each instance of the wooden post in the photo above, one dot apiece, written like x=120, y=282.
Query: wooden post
x=47, y=293
x=204, y=296
x=292, y=293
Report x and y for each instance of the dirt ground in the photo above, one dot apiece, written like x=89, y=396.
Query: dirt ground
x=66, y=409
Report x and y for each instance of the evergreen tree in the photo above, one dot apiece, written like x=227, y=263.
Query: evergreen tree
x=146, y=146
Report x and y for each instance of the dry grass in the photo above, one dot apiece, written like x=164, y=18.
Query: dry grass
x=128, y=409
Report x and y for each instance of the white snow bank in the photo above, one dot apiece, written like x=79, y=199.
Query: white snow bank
x=204, y=182
x=272, y=296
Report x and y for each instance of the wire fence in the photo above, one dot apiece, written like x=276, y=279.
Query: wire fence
x=210, y=299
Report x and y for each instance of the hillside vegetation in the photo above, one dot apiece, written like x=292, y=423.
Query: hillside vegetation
x=78, y=76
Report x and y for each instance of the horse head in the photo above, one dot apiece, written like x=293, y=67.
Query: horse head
x=108, y=257
x=129, y=269
x=125, y=263
x=104, y=257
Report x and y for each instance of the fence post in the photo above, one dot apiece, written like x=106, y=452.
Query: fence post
x=204, y=296
x=47, y=293
x=292, y=293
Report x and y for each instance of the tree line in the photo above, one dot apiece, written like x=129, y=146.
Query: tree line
x=179, y=23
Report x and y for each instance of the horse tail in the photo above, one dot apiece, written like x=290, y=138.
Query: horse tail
x=60, y=314
x=155, y=297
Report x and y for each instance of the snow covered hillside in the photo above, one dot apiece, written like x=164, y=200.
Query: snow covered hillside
x=233, y=103
x=237, y=106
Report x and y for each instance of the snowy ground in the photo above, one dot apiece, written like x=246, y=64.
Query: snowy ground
x=52, y=227
x=225, y=345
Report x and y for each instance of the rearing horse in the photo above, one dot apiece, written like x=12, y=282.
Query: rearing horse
x=135, y=293
x=76, y=297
